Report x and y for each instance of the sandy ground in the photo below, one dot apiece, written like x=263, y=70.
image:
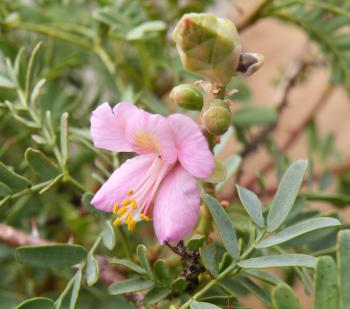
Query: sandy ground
x=279, y=43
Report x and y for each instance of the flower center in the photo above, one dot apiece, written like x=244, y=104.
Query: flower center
x=137, y=200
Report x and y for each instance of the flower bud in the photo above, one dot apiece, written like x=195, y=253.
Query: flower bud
x=208, y=45
x=217, y=117
x=249, y=63
x=187, y=97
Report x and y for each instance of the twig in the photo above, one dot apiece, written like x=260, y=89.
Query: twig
x=334, y=170
x=16, y=238
x=253, y=16
x=296, y=67
x=326, y=94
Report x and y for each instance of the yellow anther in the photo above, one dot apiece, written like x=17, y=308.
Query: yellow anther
x=131, y=225
x=130, y=192
x=133, y=204
x=122, y=211
x=126, y=202
x=128, y=219
x=117, y=222
x=115, y=208
x=144, y=217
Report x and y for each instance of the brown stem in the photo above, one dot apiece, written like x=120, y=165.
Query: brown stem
x=16, y=238
x=321, y=102
x=334, y=170
x=296, y=67
x=252, y=16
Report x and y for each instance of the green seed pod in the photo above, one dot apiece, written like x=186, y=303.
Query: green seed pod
x=208, y=45
x=187, y=97
x=217, y=117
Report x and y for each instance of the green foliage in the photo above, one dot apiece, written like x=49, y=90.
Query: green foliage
x=252, y=205
x=50, y=255
x=326, y=294
x=327, y=24
x=343, y=267
x=250, y=115
x=58, y=61
x=283, y=297
x=285, y=260
x=286, y=195
x=36, y=303
x=130, y=285
x=224, y=225
x=296, y=230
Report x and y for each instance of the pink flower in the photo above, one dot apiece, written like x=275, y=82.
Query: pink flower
x=162, y=180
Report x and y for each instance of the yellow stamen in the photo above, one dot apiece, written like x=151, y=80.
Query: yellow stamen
x=144, y=217
x=130, y=192
x=122, y=211
x=115, y=208
x=126, y=202
x=128, y=219
x=117, y=222
x=131, y=225
x=133, y=204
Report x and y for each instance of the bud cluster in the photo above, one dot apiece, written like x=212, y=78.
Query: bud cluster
x=210, y=46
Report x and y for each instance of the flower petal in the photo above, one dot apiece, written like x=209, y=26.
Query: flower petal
x=127, y=176
x=193, y=150
x=176, y=207
x=148, y=133
x=108, y=127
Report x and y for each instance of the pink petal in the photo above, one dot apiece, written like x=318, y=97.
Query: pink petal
x=148, y=133
x=126, y=177
x=192, y=146
x=108, y=127
x=176, y=207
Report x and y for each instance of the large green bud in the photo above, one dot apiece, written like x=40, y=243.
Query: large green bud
x=187, y=97
x=208, y=45
x=217, y=117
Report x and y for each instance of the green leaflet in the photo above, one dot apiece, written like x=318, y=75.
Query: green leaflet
x=208, y=255
x=41, y=164
x=325, y=291
x=251, y=115
x=343, y=265
x=252, y=205
x=92, y=270
x=283, y=297
x=36, y=303
x=156, y=295
x=130, y=285
x=108, y=236
x=283, y=260
x=60, y=255
x=12, y=179
x=298, y=229
x=223, y=224
x=286, y=194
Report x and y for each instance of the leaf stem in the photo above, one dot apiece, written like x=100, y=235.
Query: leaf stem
x=228, y=272
x=125, y=242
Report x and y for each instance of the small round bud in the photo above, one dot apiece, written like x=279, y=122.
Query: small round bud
x=217, y=118
x=187, y=97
